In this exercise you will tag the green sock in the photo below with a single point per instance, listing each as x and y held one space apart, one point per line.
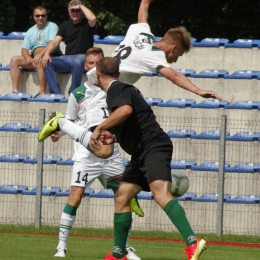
70 210
122 224
177 215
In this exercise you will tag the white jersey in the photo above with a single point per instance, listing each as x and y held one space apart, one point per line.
136 54
87 107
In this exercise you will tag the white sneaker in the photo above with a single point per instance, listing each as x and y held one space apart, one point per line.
130 254
60 252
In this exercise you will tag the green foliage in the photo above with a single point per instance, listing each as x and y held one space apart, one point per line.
230 19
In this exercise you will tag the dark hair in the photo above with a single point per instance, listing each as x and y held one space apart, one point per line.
108 67
39 8
180 35
94 51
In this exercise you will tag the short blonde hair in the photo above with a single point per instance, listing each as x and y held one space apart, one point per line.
74 2
94 51
179 35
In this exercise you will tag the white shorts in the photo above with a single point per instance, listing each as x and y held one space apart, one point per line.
109 172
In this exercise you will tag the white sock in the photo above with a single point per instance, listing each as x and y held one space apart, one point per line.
66 224
76 132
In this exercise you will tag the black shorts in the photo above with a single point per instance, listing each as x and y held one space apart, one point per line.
155 165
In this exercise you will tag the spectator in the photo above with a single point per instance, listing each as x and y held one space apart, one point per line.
77 34
35 41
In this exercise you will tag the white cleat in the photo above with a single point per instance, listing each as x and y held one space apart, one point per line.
130 254
60 252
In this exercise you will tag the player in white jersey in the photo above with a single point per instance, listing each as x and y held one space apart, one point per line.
87 108
138 54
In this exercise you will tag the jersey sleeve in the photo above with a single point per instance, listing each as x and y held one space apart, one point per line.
72 108
155 59
135 29
92 76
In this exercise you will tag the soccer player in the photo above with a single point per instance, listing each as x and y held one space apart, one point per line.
87 108
138 54
133 125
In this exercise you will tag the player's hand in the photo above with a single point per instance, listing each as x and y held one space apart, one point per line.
45 59
93 142
55 136
107 138
209 94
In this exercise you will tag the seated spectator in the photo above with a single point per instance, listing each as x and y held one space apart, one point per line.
35 41
77 34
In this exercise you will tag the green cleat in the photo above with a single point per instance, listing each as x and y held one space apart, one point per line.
50 127
136 207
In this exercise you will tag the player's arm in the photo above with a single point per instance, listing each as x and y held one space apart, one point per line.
118 116
183 82
52 45
143 11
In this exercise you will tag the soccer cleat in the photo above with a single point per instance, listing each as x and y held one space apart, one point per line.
130 251
60 252
50 127
111 257
136 207
194 251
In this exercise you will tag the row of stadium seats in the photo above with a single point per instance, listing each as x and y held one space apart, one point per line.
245 136
108 193
152 101
175 164
116 39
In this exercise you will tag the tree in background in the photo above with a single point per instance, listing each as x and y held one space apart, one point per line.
231 19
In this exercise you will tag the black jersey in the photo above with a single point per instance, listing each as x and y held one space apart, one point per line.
140 130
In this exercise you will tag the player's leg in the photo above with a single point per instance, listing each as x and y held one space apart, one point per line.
79 134
112 173
83 175
158 174
15 72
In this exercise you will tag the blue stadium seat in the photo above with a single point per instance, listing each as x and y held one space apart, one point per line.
211 104
125 161
111 39
244 167
243 74
16 97
13 158
243 43
47 159
15 127
96 37
69 161
180 133
33 130
177 102
12 189
66 193
105 193
211 42
187 196
208 166
245 136
50 98
153 101
245 199
16 35
210 197
1 33
243 104
186 72
5 68
157 38
182 164
46 191
209 135
145 195
210 74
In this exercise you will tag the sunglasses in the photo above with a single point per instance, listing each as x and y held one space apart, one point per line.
40 15
75 10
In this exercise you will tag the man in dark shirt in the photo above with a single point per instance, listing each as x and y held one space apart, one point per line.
77 34
133 125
